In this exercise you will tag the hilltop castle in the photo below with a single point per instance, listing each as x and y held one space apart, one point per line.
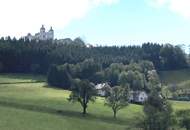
42 35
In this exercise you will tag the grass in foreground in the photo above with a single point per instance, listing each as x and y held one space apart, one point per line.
33 106
23 105
17 119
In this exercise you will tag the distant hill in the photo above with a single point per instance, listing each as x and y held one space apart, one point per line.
180 78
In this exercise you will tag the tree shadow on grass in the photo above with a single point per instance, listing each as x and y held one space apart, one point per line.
68 113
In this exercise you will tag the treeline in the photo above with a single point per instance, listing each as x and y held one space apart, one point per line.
137 75
37 57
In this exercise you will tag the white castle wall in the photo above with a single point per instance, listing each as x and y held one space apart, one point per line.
42 35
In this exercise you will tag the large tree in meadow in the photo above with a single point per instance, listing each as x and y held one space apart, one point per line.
117 98
83 92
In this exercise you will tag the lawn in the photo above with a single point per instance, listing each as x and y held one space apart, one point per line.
180 105
48 108
34 106
18 78
18 119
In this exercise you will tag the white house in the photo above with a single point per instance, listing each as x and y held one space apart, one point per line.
101 88
42 35
135 96
138 96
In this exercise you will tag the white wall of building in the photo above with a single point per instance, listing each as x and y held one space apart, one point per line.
42 35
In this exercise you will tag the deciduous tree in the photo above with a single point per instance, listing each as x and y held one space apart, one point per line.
118 98
83 92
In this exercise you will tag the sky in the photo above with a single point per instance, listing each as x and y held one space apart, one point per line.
100 22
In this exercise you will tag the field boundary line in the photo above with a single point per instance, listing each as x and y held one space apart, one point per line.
22 82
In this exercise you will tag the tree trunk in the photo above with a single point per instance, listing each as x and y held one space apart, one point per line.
84 105
114 114
84 110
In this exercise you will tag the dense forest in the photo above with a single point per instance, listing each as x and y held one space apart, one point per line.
36 57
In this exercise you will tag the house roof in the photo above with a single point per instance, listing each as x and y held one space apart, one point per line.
101 86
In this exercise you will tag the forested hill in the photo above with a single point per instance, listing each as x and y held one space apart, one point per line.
36 57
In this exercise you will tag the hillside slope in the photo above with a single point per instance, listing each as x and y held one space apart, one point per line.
177 83
174 77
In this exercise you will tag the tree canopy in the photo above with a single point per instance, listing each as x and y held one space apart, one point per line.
82 91
117 98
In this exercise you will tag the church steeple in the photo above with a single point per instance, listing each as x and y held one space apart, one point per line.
51 33
51 29
42 29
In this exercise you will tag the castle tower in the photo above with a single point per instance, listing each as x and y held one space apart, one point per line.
43 33
51 34
42 29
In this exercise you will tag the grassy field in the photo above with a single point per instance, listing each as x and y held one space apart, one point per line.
19 78
34 106
180 105
18 119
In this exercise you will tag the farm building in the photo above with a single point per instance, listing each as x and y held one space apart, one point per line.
135 96
101 88
138 96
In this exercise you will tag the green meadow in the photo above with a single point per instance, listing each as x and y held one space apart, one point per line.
27 103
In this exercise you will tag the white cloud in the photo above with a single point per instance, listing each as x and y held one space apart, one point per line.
181 7
19 17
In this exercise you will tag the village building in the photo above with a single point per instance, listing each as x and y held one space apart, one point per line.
138 96
101 89
135 96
